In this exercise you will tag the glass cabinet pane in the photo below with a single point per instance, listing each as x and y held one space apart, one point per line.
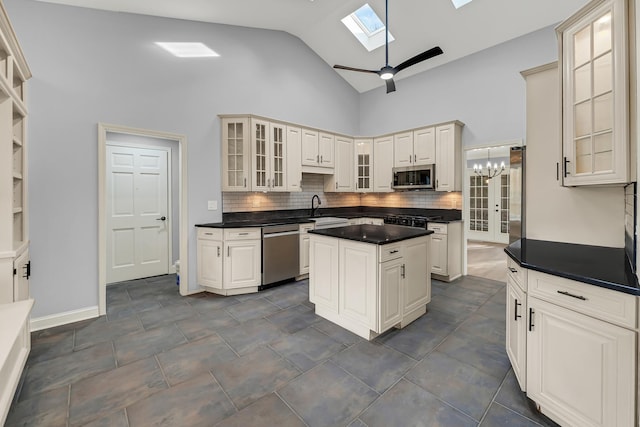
582 46
602 35
603 113
582 83
582 117
602 74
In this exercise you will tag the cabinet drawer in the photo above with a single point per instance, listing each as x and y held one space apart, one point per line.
242 233
605 304
517 273
389 252
209 233
437 228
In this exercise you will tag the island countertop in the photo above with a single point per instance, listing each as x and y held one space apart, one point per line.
374 234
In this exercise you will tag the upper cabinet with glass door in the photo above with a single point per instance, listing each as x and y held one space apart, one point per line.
235 154
593 45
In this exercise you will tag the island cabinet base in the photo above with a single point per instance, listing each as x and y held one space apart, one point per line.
368 288
230 292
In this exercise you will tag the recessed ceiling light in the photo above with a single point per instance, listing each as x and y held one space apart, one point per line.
459 3
187 50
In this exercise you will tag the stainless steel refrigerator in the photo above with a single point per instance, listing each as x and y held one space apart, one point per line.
516 193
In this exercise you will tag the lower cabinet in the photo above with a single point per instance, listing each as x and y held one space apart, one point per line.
368 288
304 247
229 260
573 347
446 250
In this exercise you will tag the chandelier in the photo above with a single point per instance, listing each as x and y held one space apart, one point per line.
492 170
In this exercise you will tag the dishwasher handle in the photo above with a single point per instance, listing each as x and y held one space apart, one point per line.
280 234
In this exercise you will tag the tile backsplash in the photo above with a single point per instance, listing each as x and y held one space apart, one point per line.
314 184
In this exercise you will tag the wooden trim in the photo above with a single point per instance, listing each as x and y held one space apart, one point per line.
64 318
550 66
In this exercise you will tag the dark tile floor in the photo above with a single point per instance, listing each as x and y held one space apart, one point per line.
266 359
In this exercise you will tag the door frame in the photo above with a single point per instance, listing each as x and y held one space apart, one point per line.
465 188
103 129
169 222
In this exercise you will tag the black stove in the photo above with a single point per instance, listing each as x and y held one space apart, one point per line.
410 220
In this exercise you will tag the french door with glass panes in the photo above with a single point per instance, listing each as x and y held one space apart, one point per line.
488 208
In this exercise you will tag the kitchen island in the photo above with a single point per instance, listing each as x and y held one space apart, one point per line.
370 278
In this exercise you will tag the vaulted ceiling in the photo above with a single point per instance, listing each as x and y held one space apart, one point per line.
416 25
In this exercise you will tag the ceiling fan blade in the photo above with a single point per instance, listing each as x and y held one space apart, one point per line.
342 67
391 86
435 51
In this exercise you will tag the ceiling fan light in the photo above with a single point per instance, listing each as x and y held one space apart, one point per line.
386 75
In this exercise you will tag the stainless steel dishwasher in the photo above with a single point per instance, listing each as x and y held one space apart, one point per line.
280 253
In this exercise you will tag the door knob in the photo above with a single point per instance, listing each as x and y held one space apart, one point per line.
162 218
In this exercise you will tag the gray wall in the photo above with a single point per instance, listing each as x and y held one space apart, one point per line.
91 66
485 91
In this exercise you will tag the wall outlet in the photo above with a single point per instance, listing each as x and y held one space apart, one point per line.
212 205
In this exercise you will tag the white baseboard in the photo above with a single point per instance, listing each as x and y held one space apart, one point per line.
59 319
172 269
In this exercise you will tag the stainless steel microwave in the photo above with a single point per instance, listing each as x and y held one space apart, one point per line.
413 178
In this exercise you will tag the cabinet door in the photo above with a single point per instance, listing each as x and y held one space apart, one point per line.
323 272
439 259
22 271
235 154
358 278
209 263
310 155
343 172
326 142
294 159
383 164
364 165
304 247
277 157
448 168
595 96
424 146
580 370
417 284
516 340
260 155
391 297
242 264
403 149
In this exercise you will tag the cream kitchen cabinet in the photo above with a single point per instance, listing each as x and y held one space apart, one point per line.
294 158
448 157
594 52
317 149
368 288
415 148
383 164
446 250
14 227
268 156
235 154
516 328
304 247
577 356
363 165
342 179
229 260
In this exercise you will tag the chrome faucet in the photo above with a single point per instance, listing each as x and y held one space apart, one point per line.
314 209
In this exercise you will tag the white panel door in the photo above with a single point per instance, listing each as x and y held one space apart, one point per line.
137 206
417 272
403 149
242 264
390 294
424 146
294 158
383 164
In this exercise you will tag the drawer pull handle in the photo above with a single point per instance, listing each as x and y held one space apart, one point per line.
395 251
580 297
243 234
218 251
402 271
209 234
513 270
516 316
531 325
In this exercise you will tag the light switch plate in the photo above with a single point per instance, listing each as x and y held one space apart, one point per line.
212 205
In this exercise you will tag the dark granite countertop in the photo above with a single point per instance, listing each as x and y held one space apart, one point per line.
299 216
595 265
375 234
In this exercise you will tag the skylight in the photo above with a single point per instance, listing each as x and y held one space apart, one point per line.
187 50
459 3
367 27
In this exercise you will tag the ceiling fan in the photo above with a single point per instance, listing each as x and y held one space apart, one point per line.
387 72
